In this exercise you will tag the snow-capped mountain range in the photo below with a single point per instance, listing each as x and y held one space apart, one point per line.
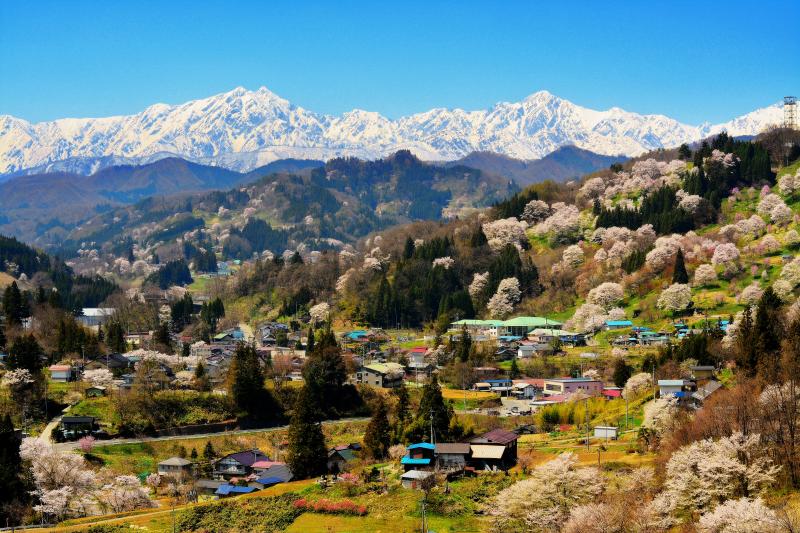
244 129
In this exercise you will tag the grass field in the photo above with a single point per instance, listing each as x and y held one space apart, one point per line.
142 458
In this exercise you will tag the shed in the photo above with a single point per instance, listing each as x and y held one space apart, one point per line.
413 478
61 373
605 432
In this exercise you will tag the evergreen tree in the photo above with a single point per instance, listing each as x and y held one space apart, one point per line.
684 152
746 349
433 407
201 381
14 306
622 372
115 337
463 347
186 349
679 274
246 380
768 332
161 337
2 337
310 343
10 468
514 371
377 437
408 248
25 353
307 455
325 374
402 412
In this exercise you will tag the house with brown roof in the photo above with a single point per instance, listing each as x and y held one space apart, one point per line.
494 450
452 456
239 464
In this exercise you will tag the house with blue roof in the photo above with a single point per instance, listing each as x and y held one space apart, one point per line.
227 490
419 456
618 324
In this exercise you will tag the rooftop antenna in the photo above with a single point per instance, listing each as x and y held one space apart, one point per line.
790 112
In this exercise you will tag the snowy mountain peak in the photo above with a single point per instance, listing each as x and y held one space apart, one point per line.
242 129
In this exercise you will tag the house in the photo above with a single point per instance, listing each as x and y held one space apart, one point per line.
564 386
413 479
385 375
95 391
703 392
208 486
609 393
551 335
71 426
500 385
61 373
113 362
238 464
264 482
522 325
672 387
482 386
339 459
227 490
605 432
94 317
523 390
496 449
176 468
478 327
272 469
618 324
200 349
419 456
702 371
451 456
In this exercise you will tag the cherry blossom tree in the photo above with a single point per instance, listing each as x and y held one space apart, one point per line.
86 444
535 211
320 312
479 283
123 494
705 275
543 501
100 377
751 294
727 255
676 297
444 262
507 295
637 384
743 515
606 294
791 272
572 255
659 415
781 214
791 238
706 473
588 318
505 231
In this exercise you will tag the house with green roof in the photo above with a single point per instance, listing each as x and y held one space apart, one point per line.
522 325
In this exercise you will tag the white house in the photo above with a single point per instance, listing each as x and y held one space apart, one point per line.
671 387
605 432
62 373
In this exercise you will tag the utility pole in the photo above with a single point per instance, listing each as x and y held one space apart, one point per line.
586 404
626 413
433 436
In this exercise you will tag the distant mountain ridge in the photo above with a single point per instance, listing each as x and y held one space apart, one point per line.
565 163
242 130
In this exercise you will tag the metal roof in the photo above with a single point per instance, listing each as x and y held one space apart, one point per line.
415 461
487 451
425 445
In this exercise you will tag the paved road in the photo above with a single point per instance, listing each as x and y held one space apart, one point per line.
66 446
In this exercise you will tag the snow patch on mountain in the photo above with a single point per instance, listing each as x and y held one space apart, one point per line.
244 129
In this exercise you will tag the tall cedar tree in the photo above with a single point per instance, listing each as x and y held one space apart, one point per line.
162 338
325 374
768 328
622 371
746 348
402 408
310 342
25 353
14 305
115 337
10 467
246 380
432 405
679 274
307 455
201 381
2 337
377 437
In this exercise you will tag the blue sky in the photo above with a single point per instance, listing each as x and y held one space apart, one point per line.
695 61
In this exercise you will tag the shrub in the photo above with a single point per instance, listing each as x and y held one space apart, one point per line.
323 505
